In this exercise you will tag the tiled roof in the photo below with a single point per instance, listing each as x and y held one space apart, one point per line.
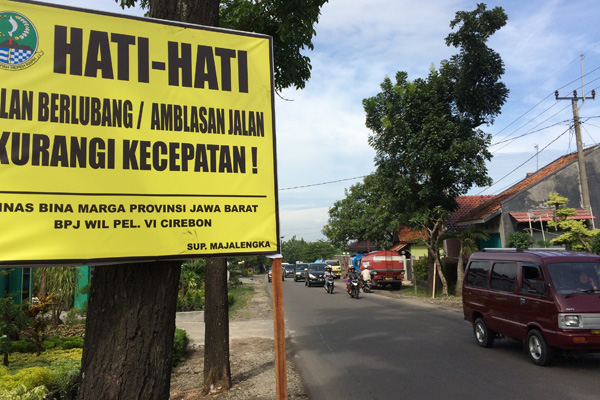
493 205
465 205
408 235
536 216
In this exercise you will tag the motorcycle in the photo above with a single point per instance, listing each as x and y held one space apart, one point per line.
367 286
329 284
353 288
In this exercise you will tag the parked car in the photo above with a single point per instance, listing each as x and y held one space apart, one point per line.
548 299
314 274
289 269
270 275
300 272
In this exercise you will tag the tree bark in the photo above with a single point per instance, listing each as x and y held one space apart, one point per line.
130 326
217 371
460 272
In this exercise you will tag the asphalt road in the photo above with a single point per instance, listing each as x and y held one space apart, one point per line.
382 348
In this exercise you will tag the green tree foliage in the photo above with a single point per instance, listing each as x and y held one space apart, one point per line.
291 250
290 23
191 285
519 240
318 250
575 236
425 132
366 213
595 242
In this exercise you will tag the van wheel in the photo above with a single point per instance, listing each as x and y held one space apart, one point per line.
484 336
539 352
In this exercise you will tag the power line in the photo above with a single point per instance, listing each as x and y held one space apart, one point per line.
540 102
531 132
526 161
324 183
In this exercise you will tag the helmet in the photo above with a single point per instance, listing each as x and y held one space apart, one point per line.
351 269
328 268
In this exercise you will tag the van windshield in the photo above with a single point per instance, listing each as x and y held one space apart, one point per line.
574 277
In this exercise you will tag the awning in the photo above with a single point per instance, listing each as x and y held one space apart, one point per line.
398 246
536 216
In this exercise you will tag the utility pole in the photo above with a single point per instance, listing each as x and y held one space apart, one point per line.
585 192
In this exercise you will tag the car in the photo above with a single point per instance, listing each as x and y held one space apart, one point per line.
300 272
289 269
270 275
546 298
314 274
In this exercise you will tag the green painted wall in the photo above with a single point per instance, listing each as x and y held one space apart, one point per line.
83 278
18 284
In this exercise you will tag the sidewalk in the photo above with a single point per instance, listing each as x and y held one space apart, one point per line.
194 326
193 322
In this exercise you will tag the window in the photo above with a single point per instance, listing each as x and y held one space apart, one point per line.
533 280
477 274
504 275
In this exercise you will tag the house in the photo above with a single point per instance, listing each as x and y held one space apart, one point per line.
465 205
523 208
411 241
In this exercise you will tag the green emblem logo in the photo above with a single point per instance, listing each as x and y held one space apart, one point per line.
18 41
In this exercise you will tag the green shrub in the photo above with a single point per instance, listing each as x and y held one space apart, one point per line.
193 300
23 346
595 244
25 360
22 393
180 345
420 269
28 377
520 240
64 374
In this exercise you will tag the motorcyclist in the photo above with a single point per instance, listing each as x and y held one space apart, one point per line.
365 276
351 275
327 274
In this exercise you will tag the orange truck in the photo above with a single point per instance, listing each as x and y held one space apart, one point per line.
386 267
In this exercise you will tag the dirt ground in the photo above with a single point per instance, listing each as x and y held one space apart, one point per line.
252 361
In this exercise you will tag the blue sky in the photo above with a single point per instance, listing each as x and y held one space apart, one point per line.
321 133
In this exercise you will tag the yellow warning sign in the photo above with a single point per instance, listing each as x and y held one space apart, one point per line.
127 138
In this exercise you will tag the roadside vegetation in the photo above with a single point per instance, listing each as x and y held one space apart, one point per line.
41 342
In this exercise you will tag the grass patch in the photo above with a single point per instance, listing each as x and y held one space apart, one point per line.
239 296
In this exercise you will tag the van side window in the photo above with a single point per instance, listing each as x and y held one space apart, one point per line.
504 275
533 280
477 274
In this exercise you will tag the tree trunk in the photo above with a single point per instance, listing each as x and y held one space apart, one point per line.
460 272
442 276
217 371
130 326
430 274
